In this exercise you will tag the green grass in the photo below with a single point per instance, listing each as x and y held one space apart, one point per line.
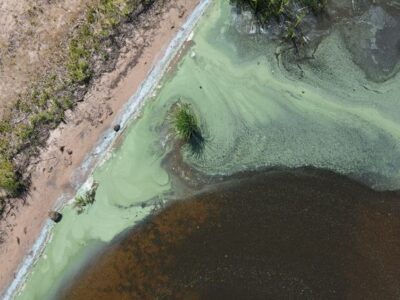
78 61
5 126
86 43
8 177
185 122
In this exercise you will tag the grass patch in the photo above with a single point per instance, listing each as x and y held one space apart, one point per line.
9 179
87 199
185 123
185 127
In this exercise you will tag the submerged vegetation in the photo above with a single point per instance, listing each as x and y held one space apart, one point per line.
36 112
265 10
288 13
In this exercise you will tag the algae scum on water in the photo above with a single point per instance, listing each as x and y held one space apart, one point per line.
259 105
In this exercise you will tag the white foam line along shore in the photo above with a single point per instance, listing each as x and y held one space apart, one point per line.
98 154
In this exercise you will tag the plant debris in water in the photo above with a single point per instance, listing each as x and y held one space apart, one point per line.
88 198
289 14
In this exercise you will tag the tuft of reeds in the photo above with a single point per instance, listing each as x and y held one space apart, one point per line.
185 122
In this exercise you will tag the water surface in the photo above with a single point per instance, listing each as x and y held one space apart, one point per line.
260 110
303 234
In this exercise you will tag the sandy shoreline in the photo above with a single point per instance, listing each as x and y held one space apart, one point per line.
57 174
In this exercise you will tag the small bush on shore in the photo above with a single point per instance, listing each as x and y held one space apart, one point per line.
78 60
5 126
8 177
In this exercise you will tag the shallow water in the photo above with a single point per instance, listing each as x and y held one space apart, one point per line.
256 112
303 234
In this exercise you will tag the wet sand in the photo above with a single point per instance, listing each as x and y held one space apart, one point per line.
282 235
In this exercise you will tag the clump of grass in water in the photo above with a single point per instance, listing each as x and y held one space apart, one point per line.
185 123
88 198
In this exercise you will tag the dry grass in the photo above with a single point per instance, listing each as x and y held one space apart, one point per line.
32 40
68 60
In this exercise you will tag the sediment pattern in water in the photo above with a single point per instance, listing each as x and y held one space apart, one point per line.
305 234
259 109
338 110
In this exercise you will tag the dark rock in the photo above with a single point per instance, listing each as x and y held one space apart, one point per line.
55 216
117 127
62 148
69 152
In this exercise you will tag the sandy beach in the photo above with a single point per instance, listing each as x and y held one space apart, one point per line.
58 169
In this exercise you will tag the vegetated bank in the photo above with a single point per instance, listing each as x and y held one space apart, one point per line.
92 49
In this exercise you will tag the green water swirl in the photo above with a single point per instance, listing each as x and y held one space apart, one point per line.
254 113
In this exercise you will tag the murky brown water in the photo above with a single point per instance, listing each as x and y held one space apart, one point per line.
281 235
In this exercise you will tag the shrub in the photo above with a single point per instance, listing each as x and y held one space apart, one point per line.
79 70
5 126
78 58
25 132
8 177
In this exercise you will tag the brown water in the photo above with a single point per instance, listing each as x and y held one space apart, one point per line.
294 234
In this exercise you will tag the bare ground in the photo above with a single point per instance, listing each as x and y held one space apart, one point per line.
32 36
